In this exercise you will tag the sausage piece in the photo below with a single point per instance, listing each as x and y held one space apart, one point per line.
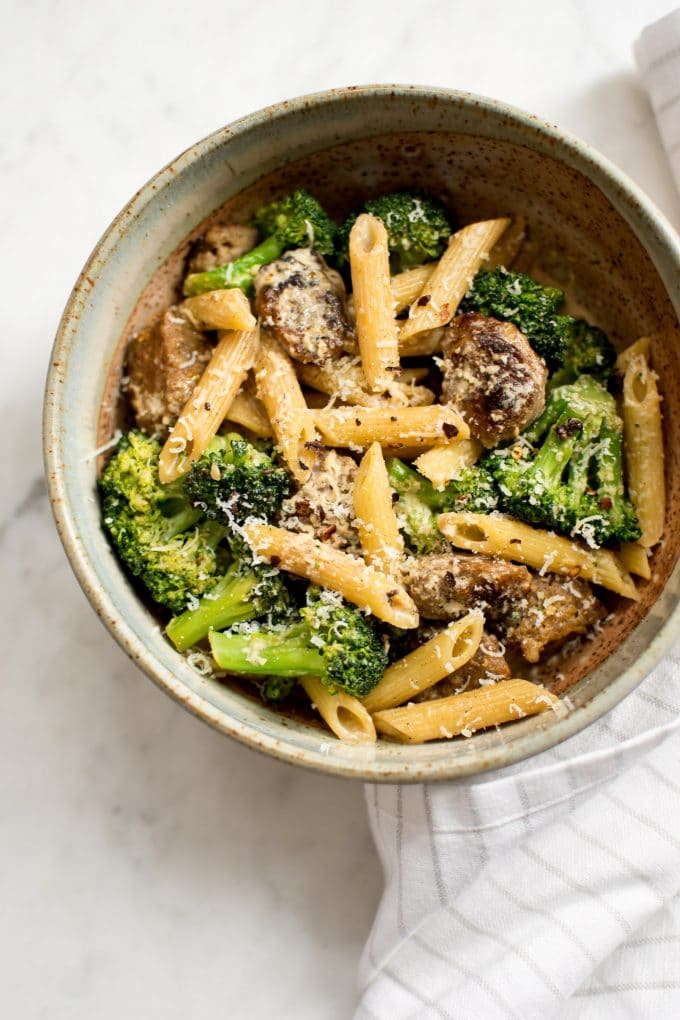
445 585
492 376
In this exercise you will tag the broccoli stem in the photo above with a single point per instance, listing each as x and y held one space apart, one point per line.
286 654
238 273
406 481
228 602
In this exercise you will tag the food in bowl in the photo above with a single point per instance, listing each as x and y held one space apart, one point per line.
381 463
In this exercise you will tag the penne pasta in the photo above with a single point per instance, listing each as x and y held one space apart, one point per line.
635 559
345 380
506 250
466 713
640 346
219 309
390 426
495 535
369 261
379 534
427 665
437 303
641 408
246 410
422 344
206 408
407 286
444 463
321 564
344 714
285 404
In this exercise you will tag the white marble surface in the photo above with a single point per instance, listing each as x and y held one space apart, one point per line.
150 867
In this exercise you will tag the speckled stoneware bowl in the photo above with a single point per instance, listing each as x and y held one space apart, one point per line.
616 253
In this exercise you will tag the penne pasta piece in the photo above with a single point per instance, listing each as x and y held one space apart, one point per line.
369 261
442 464
390 426
344 714
345 380
506 250
379 534
422 344
246 410
321 564
495 535
635 559
468 712
284 402
206 408
407 286
427 665
643 440
445 289
640 346
219 309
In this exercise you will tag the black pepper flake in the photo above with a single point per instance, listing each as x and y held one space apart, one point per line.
305 467
207 405
393 417
423 300
515 541
357 421
449 430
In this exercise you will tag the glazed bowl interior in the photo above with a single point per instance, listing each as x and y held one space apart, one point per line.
589 229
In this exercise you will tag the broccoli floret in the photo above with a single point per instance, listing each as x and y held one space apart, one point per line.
277 688
245 592
331 640
162 539
292 222
587 352
516 298
565 472
418 228
233 481
419 502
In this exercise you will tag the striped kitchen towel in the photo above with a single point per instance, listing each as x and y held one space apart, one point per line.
548 889
657 53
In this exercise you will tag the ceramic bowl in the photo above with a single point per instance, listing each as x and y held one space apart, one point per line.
605 240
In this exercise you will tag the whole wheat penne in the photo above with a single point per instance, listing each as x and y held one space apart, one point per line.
466 713
442 464
445 289
284 402
345 380
390 426
381 541
369 261
635 559
427 665
205 409
365 587
495 535
246 410
344 714
643 440
219 309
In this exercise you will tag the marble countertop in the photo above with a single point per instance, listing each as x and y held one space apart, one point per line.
151 867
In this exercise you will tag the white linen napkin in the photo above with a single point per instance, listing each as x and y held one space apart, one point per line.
657 53
550 889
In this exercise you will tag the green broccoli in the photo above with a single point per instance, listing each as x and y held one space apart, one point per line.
294 221
233 481
160 537
516 298
565 472
419 502
331 640
246 591
418 228
587 352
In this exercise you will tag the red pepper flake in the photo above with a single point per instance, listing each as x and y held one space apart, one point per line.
423 300
449 430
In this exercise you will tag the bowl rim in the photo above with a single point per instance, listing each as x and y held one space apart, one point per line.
581 155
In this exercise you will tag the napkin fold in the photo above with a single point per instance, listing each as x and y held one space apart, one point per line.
657 53
550 889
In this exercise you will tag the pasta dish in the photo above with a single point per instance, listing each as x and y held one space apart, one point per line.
379 467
